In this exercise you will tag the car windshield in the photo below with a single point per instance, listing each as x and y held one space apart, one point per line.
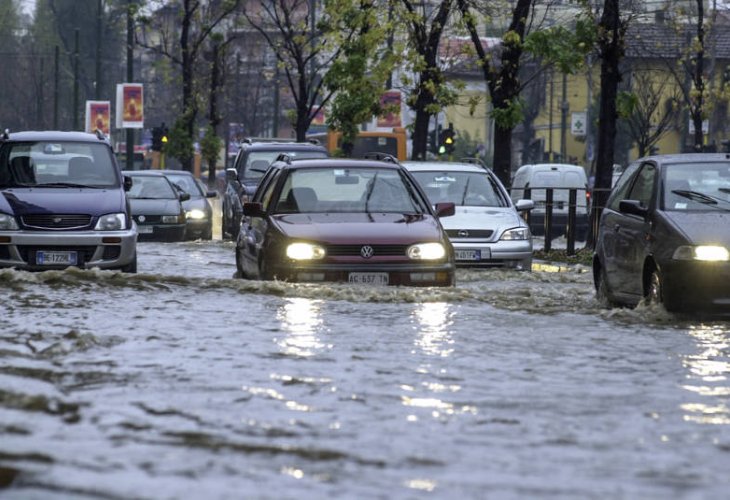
257 162
460 188
348 190
187 184
57 164
697 186
151 187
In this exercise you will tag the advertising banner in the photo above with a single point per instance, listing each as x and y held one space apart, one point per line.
98 116
391 99
130 105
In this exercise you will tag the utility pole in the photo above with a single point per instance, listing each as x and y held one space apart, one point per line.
130 78
97 83
76 81
564 121
55 88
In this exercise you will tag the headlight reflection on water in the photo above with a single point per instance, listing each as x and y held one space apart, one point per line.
432 321
301 318
709 369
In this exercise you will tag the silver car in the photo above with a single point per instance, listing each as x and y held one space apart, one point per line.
487 229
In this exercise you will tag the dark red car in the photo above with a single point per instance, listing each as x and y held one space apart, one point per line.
355 221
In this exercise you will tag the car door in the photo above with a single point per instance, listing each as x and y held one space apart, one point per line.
632 234
254 229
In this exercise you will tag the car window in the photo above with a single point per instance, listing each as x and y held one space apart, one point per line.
643 188
461 188
696 186
151 187
620 191
49 163
352 190
268 191
187 184
257 162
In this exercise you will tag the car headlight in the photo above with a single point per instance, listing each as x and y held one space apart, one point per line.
195 214
711 253
7 223
173 219
111 222
518 233
426 251
304 251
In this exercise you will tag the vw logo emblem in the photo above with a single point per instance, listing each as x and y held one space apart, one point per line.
463 233
367 251
57 220
141 218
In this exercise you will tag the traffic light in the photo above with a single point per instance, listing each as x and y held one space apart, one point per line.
157 139
446 145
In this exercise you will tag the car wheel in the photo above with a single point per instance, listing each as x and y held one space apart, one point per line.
655 293
239 265
132 266
208 235
603 294
224 226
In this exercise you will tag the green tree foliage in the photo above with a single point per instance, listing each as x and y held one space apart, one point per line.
179 141
358 78
210 146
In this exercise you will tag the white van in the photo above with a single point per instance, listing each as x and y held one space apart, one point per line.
561 178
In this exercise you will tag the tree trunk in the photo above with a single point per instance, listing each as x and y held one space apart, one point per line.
213 117
611 46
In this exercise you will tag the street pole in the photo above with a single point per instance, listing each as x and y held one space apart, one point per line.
55 88
130 77
97 83
76 81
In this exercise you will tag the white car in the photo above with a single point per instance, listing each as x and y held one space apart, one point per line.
487 229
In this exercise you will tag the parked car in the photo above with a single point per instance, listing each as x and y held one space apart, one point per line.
198 210
251 163
487 229
358 221
156 206
561 178
665 234
62 203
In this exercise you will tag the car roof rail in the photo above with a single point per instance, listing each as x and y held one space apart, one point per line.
475 161
6 135
100 135
251 140
284 157
379 156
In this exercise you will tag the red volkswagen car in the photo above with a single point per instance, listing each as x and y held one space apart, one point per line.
356 221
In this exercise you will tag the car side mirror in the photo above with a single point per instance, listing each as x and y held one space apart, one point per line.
524 205
445 209
231 174
253 209
128 183
211 194
184 196
632 207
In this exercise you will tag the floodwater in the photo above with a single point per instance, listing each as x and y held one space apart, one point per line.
183 382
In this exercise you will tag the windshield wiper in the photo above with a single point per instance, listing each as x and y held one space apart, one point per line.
466 188
370 191
703 198
66 185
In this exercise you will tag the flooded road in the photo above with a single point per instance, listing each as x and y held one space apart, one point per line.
182 382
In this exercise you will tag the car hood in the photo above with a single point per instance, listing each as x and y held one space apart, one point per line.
95 202
483 218
374 228
154 207
702 228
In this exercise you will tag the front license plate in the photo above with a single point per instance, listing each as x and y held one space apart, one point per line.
368 278
43 258
468 254
144 229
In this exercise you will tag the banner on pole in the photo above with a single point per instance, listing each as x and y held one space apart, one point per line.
130 105
98 116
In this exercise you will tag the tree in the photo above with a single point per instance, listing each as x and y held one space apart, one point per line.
611 46
359 78
554 46
425 24
179 33
297 36
649 113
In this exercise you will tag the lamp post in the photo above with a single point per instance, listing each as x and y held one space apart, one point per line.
272 75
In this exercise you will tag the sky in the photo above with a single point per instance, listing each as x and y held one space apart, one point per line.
27 5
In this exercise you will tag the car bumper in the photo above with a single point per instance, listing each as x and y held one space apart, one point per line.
696 286
395 274
104 250
515 254
160 232
197 228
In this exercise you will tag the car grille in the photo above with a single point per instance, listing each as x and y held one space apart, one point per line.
470 233
148 219
56 221
378 250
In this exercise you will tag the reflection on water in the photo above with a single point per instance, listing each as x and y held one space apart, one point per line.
301 319
432 321
708 373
